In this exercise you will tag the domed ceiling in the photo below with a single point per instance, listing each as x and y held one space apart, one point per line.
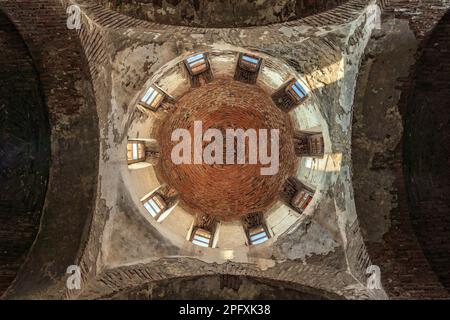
134 220
228 191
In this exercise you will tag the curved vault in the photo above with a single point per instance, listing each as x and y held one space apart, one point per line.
25 151
318 248
230 287
326 233
219 13
426 151
321 47
324 236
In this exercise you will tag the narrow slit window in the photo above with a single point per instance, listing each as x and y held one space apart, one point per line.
258 235
155 205
197 64
202 238
297 91
152 98
135 151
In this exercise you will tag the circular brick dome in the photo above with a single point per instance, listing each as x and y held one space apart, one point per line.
228 191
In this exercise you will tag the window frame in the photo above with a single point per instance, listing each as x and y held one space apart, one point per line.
141 145
155 103
249 65
160 203
192 63
316 144
305 200
202 234
292 90
257 232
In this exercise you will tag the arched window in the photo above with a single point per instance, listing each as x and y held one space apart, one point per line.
197 64
296 195
296 91
255 228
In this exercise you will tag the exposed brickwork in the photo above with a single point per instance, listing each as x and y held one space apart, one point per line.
313 275
322 58
110 19
229 287
61 66
325 279
228 191
219 14
402 259
427 150
24 150
423 16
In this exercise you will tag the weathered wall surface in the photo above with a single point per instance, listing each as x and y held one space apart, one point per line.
384 84
326 263
426 151
220 14
122 54
24 151
227 287
65 82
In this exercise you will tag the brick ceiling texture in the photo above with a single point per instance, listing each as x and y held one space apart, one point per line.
226 191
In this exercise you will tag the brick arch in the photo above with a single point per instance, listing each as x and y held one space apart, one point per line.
223 286
327 280
25 151
426 150
67 91
105 17
219 14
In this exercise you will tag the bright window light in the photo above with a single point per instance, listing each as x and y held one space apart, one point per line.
152 98
196 63
250 59
309 163
155 205
135 151
258 235
261 240
195 58
298 89
201 238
